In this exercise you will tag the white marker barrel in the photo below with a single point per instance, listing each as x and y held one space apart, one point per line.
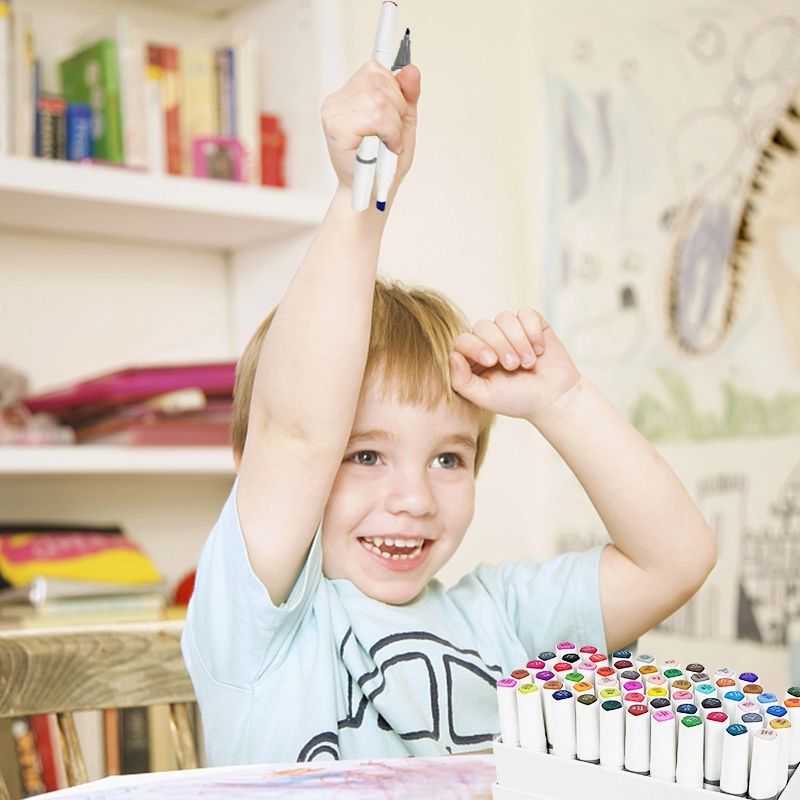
565 741
792 705
507 704
612 735
730 704
637 739
733 773
548 690
783 728
689 767
754 722
531 718
764 765
715 724
587 728
663 745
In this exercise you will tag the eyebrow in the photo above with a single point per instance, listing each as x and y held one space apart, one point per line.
455 439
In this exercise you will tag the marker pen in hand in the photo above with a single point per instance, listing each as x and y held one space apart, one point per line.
507 705
531 718
733 772
367 154
387 160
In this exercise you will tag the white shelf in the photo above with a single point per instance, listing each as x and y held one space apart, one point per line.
110 460
98 201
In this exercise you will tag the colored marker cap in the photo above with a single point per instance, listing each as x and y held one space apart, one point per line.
611 705
752 688
682 684
629 675
691 720
562 694
736 729
588 650
794 691
582 686
545 675
608 694
632 686
723 683
648 669
687 708
562 666
767 698
695 667
637 709
535 666
735 695
662 715
711 702
777 711
623 663
598 657
672 673
780 724
748 677
527 688
634 697
659 702
546 655
506 683
553 685
587 699
752 717
520 674
645 658
606 672
699 677
571 658
656 691
575 677
565 646
705 688
621 654
792 702
717 716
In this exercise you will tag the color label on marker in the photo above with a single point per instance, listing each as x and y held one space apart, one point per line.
656 680
699 677
705 688
588 650
582 686
672 673
565 646
792 702
609 694
586 666
506 683
606 672
562 666
527 688
645 658
611 705
621 654
656 691
562 694
780 724
634 697
545 675
553 685
659 702
629 675
695 667
691 721
752 688
767 698
687 708
736 729
648 669
637 709
680 696
598 657
663 715
546 655
711 702
717 716
632 686
724 683
574 677
587 699
735 695
748 677
751 717
535 665
571 658
520 674
777 711
623 663
682 684
794 691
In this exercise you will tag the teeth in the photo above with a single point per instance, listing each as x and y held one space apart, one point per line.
389 541
412 545
378 541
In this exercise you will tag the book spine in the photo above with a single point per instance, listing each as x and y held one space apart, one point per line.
273 150
24 89
131 57
30 769
225 92
51 127
78 121
134 740
154 114
48 746
199 105
5 78
173 98
115 145
247 101
111 740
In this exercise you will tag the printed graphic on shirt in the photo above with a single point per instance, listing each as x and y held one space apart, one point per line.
448 693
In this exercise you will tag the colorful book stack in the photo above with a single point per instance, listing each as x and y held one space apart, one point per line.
681 728
121 100
187 404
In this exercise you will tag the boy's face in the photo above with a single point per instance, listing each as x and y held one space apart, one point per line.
403 497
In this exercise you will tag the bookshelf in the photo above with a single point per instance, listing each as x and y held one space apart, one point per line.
104 267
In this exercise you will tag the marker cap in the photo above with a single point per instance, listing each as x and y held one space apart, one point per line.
621 654
622 663
699 677
694 667
562 666
683 684
521 675
610 694
535 666
383 49
670 663
633 686
605 672
656 680
657 691
648 669
582 687
566 647
547 655
793 691
658 703
587 650
571 658
599 658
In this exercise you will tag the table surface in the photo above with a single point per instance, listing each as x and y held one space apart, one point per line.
463 777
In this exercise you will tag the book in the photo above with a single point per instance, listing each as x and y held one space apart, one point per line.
80 144
92 76
159 432
24 88
111 740
168 60
273 151
199 117
226 92
134 740
51 127
155 122
132 71
247 97
30 769
48 746
6 97
137 383
120 604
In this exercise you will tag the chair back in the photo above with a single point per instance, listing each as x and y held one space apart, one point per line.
63 670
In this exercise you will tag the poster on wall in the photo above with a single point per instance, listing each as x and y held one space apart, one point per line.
670 255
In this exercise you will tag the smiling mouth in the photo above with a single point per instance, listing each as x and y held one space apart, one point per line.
393 549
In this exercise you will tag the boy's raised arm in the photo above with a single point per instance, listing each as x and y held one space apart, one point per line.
662 547
312 361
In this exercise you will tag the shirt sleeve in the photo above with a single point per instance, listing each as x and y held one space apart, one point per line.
233 630
551 602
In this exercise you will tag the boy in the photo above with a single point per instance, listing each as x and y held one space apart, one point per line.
316 629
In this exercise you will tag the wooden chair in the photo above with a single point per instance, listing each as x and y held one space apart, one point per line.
62 670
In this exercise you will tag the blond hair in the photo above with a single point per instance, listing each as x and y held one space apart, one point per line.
412 334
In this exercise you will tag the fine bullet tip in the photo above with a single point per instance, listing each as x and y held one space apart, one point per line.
381 206
408 31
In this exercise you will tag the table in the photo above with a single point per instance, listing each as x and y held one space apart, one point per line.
462 777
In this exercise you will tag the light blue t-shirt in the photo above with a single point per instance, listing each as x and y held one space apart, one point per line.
334 674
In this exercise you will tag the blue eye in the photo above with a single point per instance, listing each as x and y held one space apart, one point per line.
447 461
366 458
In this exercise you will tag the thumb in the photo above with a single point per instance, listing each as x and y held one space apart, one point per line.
409 79
464 381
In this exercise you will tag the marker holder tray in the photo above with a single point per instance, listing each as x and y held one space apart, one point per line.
523 775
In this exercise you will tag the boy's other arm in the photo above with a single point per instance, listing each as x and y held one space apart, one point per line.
312 361
662 547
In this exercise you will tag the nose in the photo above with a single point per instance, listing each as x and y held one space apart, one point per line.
411 493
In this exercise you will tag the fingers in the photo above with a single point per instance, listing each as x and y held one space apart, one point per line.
372 103
510 341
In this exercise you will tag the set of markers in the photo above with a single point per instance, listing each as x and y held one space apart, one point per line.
676 723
